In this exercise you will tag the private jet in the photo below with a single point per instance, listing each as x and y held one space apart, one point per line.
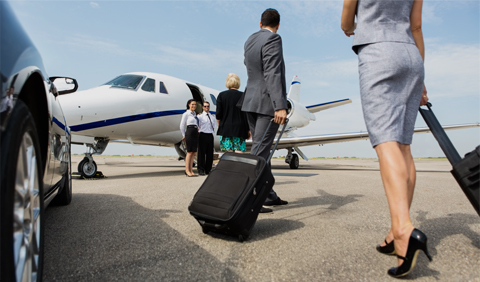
144 108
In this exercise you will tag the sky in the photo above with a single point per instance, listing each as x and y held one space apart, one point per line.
202 41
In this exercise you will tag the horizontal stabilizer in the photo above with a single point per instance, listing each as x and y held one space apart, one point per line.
328 105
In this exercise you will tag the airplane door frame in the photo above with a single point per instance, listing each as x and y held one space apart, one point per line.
198 96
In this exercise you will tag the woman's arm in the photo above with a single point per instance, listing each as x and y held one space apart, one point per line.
416 28
348 17
182 124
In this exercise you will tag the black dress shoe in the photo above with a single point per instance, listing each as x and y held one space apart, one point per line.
201 173
276 202
265 210
388 249
417 242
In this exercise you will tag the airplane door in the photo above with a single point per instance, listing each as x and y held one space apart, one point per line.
198 96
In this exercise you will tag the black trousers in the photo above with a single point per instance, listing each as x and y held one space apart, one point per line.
258 124
205 152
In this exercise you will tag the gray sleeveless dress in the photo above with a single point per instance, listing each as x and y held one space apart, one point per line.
390 68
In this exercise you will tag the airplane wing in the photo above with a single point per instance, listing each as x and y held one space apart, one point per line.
300 141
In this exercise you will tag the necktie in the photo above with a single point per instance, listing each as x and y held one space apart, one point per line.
210 122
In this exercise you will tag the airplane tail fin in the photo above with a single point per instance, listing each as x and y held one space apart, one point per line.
294 92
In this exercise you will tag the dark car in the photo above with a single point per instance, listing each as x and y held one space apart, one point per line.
35 165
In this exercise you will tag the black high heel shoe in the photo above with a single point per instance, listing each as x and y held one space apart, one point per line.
417 242
388 249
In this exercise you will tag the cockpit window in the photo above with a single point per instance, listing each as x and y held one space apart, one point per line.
128 81
149 85
162 88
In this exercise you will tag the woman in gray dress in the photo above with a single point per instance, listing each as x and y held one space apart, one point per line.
389 43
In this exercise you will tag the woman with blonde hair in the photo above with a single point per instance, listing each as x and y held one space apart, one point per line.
389 44
232 123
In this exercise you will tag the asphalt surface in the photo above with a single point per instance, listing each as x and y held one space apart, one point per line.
134 226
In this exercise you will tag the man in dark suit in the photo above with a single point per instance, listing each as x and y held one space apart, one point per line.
265 94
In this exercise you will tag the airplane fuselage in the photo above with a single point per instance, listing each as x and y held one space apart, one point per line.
138 116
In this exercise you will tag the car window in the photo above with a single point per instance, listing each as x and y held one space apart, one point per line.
128 81
163 89
149 85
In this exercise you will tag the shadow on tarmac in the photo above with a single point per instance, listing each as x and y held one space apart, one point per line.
112 238
332 202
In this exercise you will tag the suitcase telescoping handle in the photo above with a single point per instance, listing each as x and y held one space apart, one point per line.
278 139
439 134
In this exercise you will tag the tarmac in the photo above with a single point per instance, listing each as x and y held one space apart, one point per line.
134 226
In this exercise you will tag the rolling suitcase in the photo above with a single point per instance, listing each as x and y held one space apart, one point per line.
232 195
467 170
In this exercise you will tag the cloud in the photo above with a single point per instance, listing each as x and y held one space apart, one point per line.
86 43
212 59
452 69
94 5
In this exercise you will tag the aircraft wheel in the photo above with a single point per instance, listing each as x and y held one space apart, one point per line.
22 207
294 162
79 167
86 169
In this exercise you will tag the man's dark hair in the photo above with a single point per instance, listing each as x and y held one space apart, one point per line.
270 18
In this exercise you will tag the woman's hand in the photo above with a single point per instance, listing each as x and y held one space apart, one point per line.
424 99
249 134
351 32
183 139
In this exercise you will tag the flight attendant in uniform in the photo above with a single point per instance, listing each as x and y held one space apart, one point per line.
189 128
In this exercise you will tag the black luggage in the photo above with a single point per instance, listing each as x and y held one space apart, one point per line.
232 195
467 170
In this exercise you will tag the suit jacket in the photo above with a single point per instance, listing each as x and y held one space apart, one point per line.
266 86
383 21
233 122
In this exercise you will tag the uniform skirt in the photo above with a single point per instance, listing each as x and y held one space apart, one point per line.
391 85
191 139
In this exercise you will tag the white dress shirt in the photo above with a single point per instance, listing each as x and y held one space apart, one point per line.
208 123
188 118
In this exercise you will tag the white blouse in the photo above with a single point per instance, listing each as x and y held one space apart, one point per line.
188 118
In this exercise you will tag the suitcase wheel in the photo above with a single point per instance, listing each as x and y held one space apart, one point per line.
244 236
204 230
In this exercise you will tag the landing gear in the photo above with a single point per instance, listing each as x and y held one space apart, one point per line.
292 159
294 163
87 167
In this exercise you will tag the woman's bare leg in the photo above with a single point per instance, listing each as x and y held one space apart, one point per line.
189 163
412 176
394 171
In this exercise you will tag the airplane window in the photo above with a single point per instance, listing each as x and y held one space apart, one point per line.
149 85
214 100
128 81
162 88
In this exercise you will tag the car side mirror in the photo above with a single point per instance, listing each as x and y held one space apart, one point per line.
64 85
